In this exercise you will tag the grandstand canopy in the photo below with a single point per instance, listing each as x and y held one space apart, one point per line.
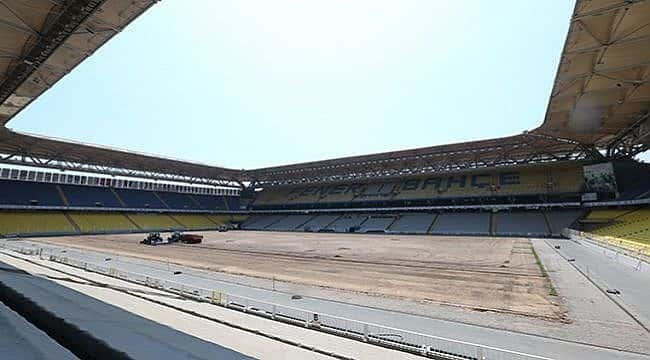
600 98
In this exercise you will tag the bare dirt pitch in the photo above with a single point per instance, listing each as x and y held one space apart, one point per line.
482 273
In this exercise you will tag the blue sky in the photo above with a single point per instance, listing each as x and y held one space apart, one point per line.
247 84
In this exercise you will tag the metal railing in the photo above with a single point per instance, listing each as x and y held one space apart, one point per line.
422 344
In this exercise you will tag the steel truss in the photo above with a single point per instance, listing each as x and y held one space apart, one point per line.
631 141
30 161
517 150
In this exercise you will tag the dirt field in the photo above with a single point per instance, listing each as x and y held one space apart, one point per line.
482 273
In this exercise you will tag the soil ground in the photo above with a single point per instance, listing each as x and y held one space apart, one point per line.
482 273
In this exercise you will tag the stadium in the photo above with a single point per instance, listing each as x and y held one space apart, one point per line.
531 246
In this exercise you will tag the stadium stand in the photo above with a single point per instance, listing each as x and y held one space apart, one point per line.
29 193
233 203
319 223
261 222
346 223
554 181
632 225
521 223
412 223
140 199
210 202
151 222
90 196
178 201
559 220
88 222
290 222
468 223
194 222
377 224
35 223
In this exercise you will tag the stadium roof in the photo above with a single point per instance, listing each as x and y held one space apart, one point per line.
600 98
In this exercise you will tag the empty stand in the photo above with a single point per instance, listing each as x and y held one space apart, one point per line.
194 222
35 223
29 193
290 222
633 225
377 223
90 196
526 223
155 222
561 219
472 223
261 222
140 199
178 201
415 223
347 223
210 202
319 223
233 203
102 222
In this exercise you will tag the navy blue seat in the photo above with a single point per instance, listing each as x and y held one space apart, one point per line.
178 201
29 193
90 196
211 202
233 202
140 199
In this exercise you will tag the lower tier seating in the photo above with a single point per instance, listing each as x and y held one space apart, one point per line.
195 222
472 223
102 222
633 225
159 222
26 223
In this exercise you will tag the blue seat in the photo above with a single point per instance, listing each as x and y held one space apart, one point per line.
29 193
90 196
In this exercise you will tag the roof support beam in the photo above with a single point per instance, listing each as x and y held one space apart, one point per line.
50 39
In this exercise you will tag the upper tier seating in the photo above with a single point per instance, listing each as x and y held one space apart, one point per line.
473 223
29 193
210 202
412 223
533 181
140 199
525 223
233 203
178 201
90 196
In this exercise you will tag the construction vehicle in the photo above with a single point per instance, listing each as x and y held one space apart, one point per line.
178 236
153 238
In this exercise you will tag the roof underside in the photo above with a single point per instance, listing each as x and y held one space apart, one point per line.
600 98
602 86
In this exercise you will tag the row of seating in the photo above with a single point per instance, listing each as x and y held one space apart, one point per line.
558 179
58 222
527 223
630 225
45 194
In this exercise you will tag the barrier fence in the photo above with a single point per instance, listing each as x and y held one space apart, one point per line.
422 344
630 248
